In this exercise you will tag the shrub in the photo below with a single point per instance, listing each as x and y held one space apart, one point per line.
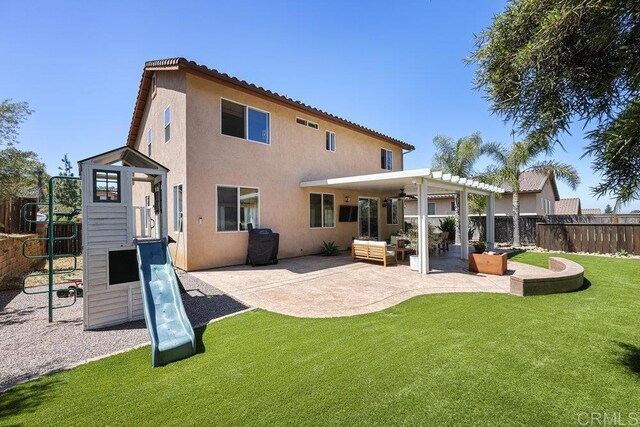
328 249
448 225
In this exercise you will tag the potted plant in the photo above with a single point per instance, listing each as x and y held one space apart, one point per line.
480 247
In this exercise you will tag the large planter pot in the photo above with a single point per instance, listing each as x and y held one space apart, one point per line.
488 264
414 262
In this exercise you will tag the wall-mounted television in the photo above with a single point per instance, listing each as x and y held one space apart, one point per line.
348 213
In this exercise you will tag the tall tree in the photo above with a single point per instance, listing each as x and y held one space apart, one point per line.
608 209
511 162
544 64
457 158
67 192
12 114
18 172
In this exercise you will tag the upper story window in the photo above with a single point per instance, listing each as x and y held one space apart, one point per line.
149 139
431 208
244 122
106 186
453 206
330 141
305 122
167 124
386 159
154 85
322 210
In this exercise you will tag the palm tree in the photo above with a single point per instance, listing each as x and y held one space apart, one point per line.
511 162
457 158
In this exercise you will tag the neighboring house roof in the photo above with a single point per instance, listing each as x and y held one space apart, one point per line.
591 211
567 206
533 182
175 64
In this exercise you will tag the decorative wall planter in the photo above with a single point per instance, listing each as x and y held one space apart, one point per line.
488 263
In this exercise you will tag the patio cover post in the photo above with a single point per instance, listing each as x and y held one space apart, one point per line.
423 226
464 224
491 222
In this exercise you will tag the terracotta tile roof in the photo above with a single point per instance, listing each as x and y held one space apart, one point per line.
184 64
591 211
533 182
567 206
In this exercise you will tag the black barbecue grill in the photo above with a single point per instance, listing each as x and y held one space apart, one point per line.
263 246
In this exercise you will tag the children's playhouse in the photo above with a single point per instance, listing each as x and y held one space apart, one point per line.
127 272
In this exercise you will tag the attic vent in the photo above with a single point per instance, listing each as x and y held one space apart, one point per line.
304 122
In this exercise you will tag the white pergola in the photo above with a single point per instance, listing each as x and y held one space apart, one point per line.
422 183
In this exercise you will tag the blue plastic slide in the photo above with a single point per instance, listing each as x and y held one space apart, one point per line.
172 336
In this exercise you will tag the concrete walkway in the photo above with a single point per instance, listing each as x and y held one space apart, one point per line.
316 286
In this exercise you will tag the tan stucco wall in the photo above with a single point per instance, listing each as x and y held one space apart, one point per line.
296 153
171 90
443 207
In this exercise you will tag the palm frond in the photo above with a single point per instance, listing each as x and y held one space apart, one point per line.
562 171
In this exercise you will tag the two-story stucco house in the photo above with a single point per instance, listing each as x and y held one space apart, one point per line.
237 154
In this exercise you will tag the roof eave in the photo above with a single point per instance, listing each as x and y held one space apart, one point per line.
175 64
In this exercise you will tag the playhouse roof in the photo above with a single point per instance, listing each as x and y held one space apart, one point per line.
127 155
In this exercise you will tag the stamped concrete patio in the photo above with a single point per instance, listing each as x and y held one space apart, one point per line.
316 286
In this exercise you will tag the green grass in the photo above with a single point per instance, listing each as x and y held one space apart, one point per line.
439 359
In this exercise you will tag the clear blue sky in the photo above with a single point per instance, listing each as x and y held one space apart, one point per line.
397 68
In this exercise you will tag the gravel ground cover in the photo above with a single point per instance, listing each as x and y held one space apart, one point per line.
31 347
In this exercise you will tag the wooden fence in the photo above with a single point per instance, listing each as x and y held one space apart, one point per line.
71 246
593 238
11 219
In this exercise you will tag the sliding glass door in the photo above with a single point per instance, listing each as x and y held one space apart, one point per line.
368 218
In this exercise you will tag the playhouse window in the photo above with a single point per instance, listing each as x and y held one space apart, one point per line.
106 186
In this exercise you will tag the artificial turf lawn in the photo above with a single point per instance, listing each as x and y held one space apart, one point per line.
437 359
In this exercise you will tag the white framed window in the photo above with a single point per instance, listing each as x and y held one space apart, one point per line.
106 186
386 159
392 211
154 85
453 206
305 122
330 141
431 208
237 207
149 140
322 212
167 124
177 208
242 121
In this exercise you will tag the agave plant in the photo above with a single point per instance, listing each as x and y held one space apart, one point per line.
328 249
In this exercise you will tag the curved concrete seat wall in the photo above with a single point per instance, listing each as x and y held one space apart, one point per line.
563 276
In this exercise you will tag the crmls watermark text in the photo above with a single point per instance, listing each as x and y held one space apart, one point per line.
608 419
